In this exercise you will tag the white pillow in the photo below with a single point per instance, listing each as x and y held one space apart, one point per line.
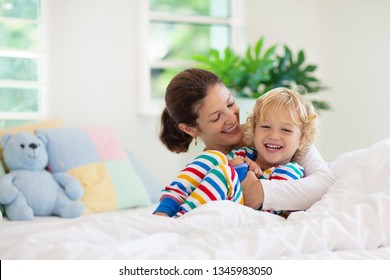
344 161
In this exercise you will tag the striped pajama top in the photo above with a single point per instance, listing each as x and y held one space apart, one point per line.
192 175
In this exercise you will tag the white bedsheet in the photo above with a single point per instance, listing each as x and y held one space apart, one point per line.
350 222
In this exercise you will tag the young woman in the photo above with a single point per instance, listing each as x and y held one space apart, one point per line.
198 105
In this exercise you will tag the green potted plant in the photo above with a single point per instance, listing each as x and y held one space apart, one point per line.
261 69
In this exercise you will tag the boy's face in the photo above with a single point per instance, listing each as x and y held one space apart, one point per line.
276 140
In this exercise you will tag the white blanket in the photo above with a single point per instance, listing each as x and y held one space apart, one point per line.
349 222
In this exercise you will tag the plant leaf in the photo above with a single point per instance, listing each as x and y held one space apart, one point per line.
301 58
258 47
261 69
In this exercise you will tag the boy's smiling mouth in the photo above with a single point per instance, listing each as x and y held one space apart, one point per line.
272 147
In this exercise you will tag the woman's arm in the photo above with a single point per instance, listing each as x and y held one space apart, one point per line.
187 180
293 194
252 191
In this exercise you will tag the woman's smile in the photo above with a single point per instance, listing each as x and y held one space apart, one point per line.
232 130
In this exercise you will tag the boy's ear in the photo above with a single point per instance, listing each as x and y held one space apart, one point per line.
192 131
301 143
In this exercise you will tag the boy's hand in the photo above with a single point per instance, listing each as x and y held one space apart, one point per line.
254 167
236 161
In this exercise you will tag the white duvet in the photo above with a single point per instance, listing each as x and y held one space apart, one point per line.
350 222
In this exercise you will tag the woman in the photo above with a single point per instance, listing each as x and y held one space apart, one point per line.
198 105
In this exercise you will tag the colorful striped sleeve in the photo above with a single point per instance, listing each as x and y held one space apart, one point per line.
168 205
188 180
289 171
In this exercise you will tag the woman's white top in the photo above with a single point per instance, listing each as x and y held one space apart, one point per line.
299 194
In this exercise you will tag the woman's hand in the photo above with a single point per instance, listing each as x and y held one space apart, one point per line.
161 214
252 190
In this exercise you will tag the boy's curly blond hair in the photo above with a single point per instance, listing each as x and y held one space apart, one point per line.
301 110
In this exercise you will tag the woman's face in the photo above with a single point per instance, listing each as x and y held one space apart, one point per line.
219 120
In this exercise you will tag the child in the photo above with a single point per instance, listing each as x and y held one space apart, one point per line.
281 127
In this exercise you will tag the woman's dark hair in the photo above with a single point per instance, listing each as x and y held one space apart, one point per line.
183 98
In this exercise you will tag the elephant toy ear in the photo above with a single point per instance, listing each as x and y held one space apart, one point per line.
42 137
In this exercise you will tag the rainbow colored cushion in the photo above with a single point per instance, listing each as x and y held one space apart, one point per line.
96 157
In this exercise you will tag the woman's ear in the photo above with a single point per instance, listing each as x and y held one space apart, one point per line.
192 131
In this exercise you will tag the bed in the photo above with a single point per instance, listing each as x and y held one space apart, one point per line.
350 222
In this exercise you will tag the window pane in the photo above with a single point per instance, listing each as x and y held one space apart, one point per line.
19 35
215 8
26 9
21 69
19 100
177 41
160 80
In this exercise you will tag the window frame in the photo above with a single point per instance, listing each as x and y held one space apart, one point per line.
149 106
40 54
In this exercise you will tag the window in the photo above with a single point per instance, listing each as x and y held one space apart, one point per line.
21 60
175 31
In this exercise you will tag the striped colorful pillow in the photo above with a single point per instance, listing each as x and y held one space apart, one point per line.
96 157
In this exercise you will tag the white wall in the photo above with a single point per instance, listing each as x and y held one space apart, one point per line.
355 59
93 52
93 48
350 42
